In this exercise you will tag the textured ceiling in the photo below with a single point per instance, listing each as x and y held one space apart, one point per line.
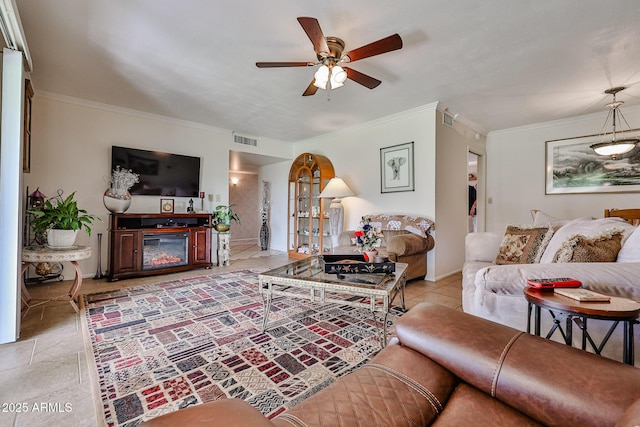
498 63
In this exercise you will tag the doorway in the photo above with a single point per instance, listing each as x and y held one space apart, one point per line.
245 194
472 192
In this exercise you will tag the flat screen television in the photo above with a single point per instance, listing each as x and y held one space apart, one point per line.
161 174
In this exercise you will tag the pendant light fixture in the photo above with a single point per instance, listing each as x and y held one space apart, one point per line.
615 142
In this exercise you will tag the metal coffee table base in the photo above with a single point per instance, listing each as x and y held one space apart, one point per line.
376 299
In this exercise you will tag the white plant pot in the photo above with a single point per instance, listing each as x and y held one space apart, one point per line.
61 238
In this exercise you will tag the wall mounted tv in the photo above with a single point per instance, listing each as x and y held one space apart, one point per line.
161 174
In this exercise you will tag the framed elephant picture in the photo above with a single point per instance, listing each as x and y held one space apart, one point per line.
396 168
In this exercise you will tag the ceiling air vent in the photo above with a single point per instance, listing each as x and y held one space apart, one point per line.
448 118
245 140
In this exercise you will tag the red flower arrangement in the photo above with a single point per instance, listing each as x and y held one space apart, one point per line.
367 237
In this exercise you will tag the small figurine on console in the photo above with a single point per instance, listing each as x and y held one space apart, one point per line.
190 207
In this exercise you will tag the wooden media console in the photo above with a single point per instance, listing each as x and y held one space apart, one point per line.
148 244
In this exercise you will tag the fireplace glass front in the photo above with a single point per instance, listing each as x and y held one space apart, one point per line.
164 250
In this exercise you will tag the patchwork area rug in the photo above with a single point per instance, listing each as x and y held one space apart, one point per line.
162 347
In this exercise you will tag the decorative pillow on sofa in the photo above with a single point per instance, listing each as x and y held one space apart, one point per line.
413 224
586 227
541 218
630 251
602 248
523 245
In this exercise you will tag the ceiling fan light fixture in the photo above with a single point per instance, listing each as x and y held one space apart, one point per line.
320 84
338 74
335 84
321 77
610 144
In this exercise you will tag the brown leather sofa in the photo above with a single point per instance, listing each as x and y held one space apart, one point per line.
448 368
406 238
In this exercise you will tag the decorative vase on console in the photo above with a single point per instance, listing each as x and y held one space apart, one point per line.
117 198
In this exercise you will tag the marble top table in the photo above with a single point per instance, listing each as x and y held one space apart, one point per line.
36 254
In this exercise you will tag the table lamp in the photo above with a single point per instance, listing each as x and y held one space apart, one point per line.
336 189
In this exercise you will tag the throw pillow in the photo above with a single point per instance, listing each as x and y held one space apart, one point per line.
585 227
541 218
602 248
523 245
630 251
413 224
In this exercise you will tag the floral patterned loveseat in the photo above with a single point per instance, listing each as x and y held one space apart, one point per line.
406 238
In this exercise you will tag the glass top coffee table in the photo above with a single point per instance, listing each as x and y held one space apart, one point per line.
377 291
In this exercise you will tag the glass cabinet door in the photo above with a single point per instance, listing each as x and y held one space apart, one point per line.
308 223
304 202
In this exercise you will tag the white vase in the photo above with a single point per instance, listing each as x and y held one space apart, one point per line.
116 201
370 255
61 238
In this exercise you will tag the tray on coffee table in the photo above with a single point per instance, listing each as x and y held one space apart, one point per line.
354 264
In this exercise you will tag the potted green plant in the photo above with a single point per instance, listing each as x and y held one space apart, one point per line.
222 217
61 220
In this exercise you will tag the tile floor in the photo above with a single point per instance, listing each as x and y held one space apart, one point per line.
44 376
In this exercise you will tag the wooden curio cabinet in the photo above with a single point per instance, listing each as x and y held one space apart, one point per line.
308 230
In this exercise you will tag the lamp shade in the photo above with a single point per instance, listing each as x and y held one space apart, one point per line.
338 74
614 148
321 77
336 188
613 144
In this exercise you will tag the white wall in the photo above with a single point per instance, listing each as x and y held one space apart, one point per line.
516 173
10 193
452 147
355 154
71 150
278 175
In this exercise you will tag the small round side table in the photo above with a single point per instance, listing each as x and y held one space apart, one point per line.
572 311
36 254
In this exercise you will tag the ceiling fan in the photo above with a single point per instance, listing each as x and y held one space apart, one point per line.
329 51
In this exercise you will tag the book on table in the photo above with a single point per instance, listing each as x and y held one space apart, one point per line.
556 282
583 295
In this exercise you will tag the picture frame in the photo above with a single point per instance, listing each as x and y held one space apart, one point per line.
166 206
396 168
572 167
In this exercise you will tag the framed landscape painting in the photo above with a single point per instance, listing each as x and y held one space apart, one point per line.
396 168
573 167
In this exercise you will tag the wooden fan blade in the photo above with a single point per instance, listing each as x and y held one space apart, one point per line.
284 64
363 79
311 89
387 44
312 28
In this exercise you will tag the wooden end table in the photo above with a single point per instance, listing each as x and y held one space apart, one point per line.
572 311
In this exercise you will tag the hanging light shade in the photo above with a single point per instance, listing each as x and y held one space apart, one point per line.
615 142
321 77
338 74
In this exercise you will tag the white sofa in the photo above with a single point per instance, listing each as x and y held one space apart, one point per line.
495 292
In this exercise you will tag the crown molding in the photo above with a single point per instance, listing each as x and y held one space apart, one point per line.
601 115
377 122
130 112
